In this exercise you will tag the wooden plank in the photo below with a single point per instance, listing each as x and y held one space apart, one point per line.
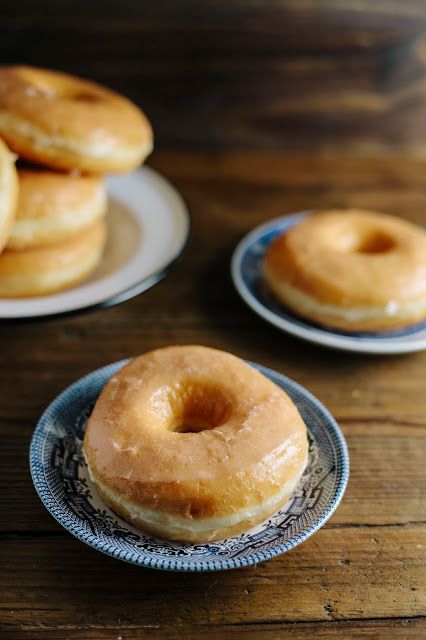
310 171
380 402
405 629
352 387
361 576
238 190
259 74
349 573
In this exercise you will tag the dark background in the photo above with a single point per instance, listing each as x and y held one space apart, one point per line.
297 74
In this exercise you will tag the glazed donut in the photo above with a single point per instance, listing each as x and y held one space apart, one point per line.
352 270
65 122
193 444
9 189
43 270
53 207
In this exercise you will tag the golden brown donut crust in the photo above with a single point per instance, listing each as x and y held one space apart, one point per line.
9 189
351 269
53 207
253 444
44 270
69 123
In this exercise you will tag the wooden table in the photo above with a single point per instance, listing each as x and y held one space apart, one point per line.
362 575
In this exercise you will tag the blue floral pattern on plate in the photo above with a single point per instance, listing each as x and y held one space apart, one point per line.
61 479
247 275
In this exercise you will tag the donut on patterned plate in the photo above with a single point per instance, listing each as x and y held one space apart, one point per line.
352 270
193 444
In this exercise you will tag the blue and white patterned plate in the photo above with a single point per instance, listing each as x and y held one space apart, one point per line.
61 479
246 270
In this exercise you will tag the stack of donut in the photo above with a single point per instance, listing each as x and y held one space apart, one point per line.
52 227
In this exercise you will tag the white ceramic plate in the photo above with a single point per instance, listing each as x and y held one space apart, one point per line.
148 225
247 276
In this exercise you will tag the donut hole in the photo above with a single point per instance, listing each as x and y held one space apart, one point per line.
200 407
48 85
377 242
193 407
86 97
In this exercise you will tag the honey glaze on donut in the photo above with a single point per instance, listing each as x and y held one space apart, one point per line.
69 123
193 444
43 270
353 270
53 207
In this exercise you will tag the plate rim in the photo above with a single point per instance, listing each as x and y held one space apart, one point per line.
41 485
133 290
328 338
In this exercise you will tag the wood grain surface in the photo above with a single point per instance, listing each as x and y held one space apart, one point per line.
347 75
364 574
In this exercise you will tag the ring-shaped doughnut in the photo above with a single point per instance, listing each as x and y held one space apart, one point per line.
352 270
193 444
44 270
53 207
68 123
